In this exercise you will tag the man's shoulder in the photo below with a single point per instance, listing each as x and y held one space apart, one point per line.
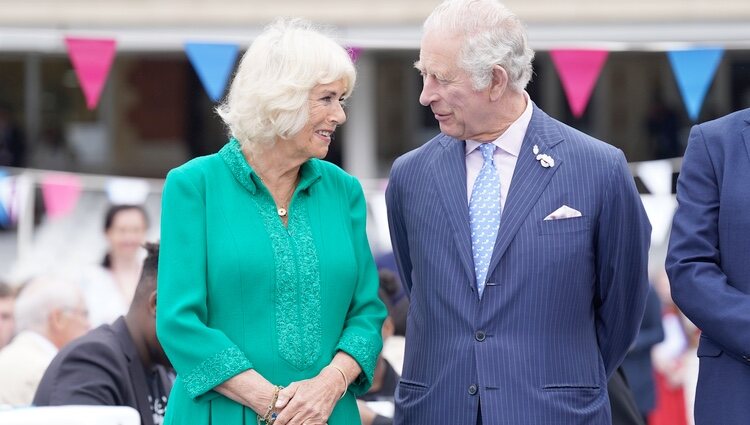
425 153
719 126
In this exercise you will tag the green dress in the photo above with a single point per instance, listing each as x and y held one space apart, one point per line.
238 290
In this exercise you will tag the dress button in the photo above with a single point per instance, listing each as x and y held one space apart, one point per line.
472 389
480 336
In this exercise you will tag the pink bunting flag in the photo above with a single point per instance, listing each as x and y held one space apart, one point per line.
60 192
578 70
92 59
354 53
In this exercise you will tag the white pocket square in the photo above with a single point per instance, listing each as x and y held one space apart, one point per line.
563 212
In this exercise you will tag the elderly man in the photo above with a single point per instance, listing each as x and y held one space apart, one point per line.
7 318
49 314
522 242
121 364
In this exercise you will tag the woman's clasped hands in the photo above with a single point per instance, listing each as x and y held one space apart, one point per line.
310 401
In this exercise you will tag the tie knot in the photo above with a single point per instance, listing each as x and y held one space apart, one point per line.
488 149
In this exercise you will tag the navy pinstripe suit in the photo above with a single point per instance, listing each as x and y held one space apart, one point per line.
564 298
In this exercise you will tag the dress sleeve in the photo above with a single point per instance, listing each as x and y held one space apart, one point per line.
361 337
202 356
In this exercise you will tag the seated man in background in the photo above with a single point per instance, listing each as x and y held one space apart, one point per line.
121 364
49 314
376 406
7 318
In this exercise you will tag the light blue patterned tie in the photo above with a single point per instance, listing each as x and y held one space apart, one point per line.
484 214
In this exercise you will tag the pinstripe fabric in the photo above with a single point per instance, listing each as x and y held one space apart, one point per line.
563 299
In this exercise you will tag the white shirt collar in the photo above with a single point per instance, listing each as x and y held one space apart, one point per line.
512 139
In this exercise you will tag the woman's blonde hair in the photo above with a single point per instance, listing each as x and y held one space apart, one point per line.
269 95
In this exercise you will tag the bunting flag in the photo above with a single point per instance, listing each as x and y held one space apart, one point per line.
60 192
127 191
579 70
694 70
214 63
354 53
92 59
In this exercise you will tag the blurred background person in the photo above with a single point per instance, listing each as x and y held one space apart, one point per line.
669 361
49 314
376 406
7 318
121 364
12 143
397 303
621 400
266 278
637 366
109 287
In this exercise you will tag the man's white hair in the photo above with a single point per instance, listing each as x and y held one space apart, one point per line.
269 95
40 297
493 35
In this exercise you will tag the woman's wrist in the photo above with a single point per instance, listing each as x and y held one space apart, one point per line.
341 376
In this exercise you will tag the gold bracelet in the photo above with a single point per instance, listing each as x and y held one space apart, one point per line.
343 375
270 417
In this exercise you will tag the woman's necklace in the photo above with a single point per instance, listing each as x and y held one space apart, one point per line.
281 207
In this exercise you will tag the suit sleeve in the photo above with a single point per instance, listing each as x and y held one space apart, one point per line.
202 356
699 286
361 337
397 228
87 376
623 239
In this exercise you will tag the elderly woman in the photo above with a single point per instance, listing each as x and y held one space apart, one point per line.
268 304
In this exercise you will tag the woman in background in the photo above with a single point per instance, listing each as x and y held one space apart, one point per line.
109 287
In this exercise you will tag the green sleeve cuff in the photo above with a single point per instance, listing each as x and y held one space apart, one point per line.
215 370
365 351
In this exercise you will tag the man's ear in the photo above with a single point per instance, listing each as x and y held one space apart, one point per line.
498 83
152 304
55 319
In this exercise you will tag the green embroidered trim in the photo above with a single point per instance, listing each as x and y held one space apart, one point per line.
298 298
365 352
232 155
215 370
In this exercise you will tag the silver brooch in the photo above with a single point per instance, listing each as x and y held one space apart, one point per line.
545 160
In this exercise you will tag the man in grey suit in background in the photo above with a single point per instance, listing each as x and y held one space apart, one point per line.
522 242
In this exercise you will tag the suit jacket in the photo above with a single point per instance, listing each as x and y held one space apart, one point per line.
708 263
563 298
100 368
22 364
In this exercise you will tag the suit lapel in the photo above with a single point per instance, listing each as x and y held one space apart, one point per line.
529 181
135 369
449 169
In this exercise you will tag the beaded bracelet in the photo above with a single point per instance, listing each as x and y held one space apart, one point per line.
343 375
